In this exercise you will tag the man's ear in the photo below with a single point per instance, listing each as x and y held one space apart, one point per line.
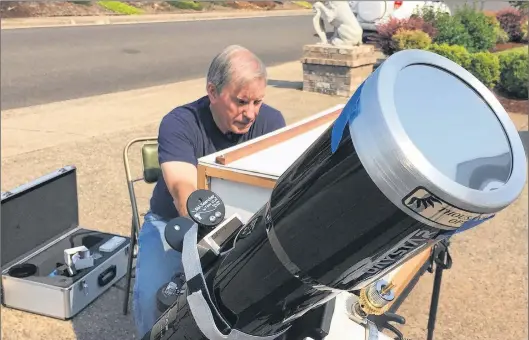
212 91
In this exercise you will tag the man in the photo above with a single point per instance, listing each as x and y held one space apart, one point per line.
232 112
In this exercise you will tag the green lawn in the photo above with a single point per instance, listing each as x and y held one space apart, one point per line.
120 7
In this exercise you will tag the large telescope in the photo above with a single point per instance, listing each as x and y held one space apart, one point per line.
422 151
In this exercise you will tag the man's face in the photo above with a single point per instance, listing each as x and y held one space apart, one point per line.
237 106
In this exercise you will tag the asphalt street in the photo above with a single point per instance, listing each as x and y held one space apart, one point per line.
43 65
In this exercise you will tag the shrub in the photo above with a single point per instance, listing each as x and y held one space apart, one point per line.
197 6
473 30
479 28
501 35
451 31
120 7
486 67
411 39
514 72
524 31
387 30
457 54
511 21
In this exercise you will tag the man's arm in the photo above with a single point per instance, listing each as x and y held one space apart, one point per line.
176 152
181 180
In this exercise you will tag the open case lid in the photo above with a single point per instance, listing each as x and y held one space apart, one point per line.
38 212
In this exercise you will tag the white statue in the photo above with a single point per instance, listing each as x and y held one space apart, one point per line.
347 30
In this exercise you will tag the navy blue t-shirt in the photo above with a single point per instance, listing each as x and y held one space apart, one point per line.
189 132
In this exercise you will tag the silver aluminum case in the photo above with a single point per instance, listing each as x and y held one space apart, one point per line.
58 302
47 299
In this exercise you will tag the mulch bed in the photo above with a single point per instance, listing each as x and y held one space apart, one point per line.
512 105
507 46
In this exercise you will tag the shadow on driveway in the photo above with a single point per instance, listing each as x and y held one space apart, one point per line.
104 319
285 84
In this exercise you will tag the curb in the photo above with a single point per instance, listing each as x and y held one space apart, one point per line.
17 23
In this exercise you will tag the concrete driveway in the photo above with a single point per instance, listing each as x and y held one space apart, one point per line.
484 295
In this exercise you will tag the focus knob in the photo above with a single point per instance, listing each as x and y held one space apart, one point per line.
175 231
205 208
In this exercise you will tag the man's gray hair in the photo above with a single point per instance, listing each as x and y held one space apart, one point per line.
226 67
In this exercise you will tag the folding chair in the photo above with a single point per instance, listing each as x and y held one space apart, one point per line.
150 173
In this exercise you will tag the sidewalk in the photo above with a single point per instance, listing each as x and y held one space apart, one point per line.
34 128
12 23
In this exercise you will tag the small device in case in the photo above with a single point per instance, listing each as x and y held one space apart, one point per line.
110 245
50 265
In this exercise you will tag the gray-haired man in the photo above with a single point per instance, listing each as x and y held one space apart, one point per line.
232 112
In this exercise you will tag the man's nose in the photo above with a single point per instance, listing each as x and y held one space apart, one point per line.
251 111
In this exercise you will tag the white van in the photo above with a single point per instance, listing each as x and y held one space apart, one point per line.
371 13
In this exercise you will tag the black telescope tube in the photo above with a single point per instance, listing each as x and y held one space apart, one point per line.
351 209
326 228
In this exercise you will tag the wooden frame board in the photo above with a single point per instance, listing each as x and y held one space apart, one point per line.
402 277
218 165
205 172
233 155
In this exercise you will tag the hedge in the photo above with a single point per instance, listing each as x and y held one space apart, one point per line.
411 39
514 66
466 38
466 27
483 65
482 35
486 67
458 54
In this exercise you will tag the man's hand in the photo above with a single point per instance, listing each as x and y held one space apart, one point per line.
181 180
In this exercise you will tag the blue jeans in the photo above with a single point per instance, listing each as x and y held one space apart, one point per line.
156 264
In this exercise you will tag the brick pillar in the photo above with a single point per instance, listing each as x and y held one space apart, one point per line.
336 70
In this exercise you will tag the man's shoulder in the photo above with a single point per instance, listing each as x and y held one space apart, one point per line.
186 112
184 117
270 112
271 117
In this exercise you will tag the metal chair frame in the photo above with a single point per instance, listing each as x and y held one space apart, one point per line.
135 224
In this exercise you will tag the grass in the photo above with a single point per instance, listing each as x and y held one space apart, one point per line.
516 49
197 6
120 7
303 4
